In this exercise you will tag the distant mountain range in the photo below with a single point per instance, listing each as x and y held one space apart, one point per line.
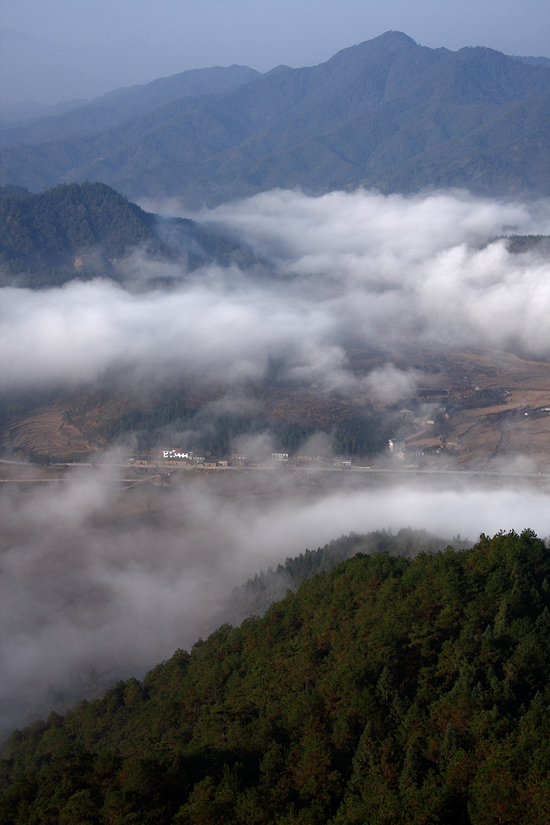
386 113
123 104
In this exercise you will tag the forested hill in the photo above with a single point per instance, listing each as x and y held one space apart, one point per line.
79 230
257 594
386 691
55 224
386 113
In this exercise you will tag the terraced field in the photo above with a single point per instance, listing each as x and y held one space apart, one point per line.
46 432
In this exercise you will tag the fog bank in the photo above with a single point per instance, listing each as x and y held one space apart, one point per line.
390 272
98 582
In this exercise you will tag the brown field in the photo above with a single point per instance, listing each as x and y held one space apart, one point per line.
515 427
46 432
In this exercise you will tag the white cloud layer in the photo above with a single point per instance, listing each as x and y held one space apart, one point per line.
388 271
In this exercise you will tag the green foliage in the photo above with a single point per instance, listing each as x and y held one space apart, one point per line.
79 230
71 217
361 435
257 594
387 691
43 233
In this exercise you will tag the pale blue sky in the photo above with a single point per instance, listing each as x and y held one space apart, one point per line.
183 34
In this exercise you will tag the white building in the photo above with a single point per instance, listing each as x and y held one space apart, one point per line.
397 447
169 454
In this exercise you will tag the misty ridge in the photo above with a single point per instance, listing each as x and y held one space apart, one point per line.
100 583
386 113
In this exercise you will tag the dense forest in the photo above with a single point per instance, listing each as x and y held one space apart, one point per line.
258 593
387 690
351 434
82 230
44 232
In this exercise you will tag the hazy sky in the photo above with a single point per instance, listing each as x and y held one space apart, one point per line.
182 34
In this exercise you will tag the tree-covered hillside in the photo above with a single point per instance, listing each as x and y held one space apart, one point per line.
257 594
386 691
80 230
55 224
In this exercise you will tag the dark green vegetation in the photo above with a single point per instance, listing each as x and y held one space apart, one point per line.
214 432
257 594
81 230
386 113
45 232
386 691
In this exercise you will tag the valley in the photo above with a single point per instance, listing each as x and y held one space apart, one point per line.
485 406
274 368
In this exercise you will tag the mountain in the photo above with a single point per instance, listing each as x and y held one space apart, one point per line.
385 691
44 71
386 113
533 61
11 113
121 104
81 230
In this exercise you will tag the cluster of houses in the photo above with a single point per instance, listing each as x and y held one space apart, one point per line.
179 458
187 458
398 449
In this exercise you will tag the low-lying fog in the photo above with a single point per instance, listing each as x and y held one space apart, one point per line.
94 578
386 271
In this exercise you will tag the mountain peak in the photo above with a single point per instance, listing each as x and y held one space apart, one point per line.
394 36
386 113
386 46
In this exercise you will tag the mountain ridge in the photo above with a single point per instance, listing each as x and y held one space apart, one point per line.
412 117
85 230
110 108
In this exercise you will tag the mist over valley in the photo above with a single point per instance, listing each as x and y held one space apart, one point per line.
322 324
353 307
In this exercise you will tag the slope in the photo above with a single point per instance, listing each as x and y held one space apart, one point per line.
121 104
387 691
84 230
